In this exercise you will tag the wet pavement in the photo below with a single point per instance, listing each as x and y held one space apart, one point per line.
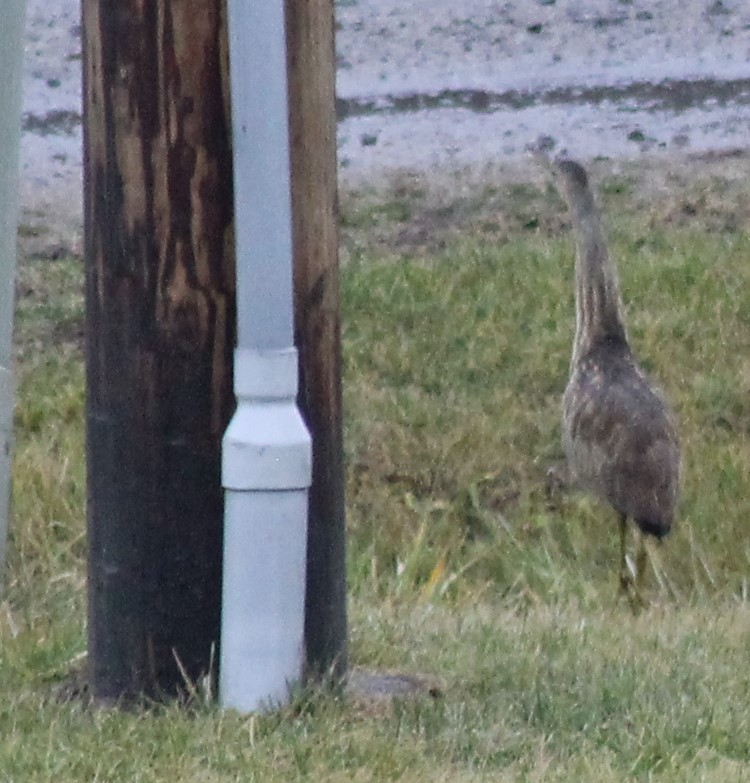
425 85
51 155
429 86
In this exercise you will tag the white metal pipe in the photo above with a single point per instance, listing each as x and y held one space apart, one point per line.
11 56
267 452
260 125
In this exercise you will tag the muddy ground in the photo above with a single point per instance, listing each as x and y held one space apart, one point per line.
438 100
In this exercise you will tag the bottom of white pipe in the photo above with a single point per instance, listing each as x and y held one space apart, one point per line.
262 625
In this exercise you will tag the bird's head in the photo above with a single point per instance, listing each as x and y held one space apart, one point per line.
569 175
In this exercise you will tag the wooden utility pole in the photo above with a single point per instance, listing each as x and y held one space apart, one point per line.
311 70
160 330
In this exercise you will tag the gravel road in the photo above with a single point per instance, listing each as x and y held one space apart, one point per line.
435 87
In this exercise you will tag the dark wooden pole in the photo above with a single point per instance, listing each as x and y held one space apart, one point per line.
310 46
160 330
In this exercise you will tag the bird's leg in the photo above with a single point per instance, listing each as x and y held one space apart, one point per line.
626 577
629 578
642 559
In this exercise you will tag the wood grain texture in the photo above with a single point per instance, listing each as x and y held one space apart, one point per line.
160 330
311 70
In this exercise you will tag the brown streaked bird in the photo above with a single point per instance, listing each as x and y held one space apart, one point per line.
619 436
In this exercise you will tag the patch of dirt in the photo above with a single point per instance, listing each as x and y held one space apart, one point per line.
374 691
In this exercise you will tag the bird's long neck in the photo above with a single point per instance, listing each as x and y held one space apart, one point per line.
597 291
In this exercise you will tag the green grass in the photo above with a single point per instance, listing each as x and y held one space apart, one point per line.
461 567
454 369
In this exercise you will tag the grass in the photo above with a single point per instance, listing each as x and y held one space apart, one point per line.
461 565
455 365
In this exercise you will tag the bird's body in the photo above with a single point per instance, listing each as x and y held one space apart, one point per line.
619 440
619 436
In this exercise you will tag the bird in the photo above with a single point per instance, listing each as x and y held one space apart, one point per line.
619 435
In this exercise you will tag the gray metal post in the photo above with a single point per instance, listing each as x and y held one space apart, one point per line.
11 54
266 468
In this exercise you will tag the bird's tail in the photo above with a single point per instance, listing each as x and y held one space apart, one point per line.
654 527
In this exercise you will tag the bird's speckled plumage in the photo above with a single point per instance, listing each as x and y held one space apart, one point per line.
619 436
